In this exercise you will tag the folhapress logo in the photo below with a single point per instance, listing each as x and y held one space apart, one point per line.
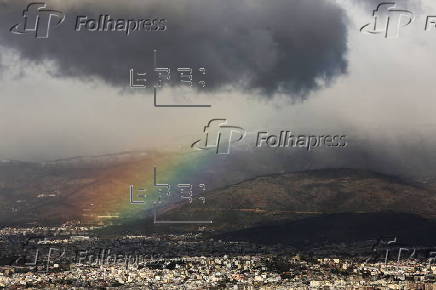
217 134
38 20
388 20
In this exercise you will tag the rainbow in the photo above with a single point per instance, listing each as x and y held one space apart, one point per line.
110 195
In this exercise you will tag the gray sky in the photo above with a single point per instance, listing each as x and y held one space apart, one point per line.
291 65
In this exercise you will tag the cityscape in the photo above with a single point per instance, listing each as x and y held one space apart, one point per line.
234 144
72 256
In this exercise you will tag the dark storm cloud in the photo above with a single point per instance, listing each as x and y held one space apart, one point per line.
280 46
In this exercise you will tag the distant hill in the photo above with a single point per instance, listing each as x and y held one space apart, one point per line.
409 229
77 188
293 196
55 192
